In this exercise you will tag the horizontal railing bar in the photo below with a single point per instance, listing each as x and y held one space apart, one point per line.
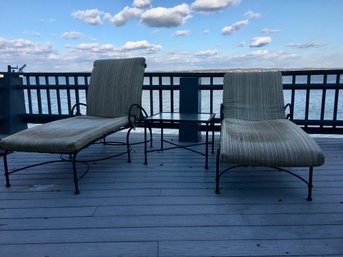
319 122
312 72
176 87
179 74
313 86
48 87
328 131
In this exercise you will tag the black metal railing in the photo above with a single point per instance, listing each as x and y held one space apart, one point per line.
316 96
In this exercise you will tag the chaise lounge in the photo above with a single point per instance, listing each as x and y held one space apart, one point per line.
255 131
115 89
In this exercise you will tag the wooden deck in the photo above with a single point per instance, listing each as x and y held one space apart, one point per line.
169 208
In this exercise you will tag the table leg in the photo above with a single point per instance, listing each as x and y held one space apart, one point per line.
161 136
206 151
145 142
212 124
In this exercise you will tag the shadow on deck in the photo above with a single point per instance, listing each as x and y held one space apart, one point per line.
169 208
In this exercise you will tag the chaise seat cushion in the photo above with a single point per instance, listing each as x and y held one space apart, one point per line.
63 136
273 143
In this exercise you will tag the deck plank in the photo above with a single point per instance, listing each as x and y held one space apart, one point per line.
106 249
280 248
213 233
169 208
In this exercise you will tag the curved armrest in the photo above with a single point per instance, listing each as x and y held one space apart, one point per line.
77 105
289 115
136 115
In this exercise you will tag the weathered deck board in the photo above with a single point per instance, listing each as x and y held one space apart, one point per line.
169 208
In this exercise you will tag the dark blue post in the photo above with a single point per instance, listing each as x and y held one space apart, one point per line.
11 103
190 102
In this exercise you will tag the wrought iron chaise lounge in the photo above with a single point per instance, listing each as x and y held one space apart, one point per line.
115 89
255 130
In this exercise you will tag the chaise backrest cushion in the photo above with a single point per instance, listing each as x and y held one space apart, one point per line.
253 95
114 86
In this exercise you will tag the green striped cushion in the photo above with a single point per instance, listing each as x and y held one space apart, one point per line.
63 136
279 143
253 95
114 86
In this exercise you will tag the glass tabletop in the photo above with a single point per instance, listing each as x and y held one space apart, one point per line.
175 116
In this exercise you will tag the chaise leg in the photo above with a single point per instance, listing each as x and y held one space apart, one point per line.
128 145
217 172
76 180
309 185
150 131
6 170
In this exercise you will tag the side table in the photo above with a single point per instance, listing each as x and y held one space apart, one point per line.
164 118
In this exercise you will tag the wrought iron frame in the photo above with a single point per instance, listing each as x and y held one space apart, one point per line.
220 173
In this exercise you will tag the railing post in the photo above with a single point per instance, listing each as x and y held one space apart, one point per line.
190 102
12 103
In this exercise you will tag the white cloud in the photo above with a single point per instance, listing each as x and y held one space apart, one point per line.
32 33
260 53
270 31
95 48
212 5
23 47
80 57
166 17
206 32
227 30
141 45
252 15
266 54
206 53
265 59
180 33
175 61
20 51
310 44
260 41
72 35
91 16
123 16
141 3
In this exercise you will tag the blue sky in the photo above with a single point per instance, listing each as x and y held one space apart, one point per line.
173 35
